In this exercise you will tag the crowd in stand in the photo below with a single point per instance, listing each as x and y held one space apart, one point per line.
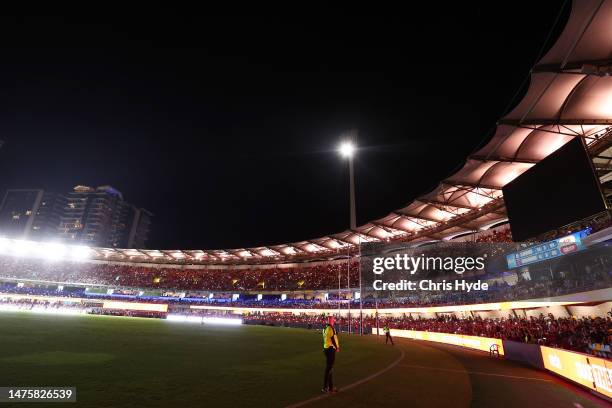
59 307
568 333
311 277
296 281
501 235
593 274
587 335
306 276
40 305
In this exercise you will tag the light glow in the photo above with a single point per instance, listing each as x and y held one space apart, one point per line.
222 321
23 248
52 251
4 244
42 310
204 320
346 149
80 252
147 307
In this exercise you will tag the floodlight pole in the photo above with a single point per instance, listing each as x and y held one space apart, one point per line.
360 293
352 192
339 285
353 225
353 228
348 286
347 150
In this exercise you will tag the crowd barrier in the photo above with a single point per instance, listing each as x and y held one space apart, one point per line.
589 371
525 353
592 372
472 342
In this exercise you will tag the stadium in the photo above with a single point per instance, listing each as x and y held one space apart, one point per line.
242 326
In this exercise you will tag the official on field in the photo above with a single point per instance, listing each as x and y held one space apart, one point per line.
388 337
331 346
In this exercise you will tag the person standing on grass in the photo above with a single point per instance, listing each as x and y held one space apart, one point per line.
331 346
388 337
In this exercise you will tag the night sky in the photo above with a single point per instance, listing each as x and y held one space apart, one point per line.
225 127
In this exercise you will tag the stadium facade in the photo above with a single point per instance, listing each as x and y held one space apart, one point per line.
569 97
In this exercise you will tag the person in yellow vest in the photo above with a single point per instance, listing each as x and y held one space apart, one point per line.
331 346
388 337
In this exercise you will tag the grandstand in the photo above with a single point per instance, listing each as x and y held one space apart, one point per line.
563 305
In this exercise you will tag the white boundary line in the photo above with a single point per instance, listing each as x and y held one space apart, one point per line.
352 385
475 372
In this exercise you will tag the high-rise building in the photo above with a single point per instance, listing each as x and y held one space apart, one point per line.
47 217
139 230
91 216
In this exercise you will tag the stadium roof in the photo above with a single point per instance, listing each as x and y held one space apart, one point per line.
570 95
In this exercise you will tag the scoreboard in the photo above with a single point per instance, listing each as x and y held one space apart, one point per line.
548 250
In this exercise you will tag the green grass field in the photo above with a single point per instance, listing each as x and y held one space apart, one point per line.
126 362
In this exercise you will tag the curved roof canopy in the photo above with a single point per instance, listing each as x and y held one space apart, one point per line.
570 95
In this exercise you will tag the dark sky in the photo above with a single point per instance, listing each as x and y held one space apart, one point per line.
225 126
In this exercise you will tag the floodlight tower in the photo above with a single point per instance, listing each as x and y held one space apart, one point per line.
347 150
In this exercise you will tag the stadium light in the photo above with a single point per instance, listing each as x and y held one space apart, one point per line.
80 252
347 149
52 251
23 248
204 320
183 318
4 244
222 320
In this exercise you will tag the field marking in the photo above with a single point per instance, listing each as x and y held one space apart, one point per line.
475 372
352 385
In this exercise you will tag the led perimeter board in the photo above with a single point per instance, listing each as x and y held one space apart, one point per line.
561 189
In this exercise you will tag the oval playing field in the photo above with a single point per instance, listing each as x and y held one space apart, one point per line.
128 362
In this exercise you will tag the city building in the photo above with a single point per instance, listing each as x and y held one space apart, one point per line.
139 229
86 215
47 216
